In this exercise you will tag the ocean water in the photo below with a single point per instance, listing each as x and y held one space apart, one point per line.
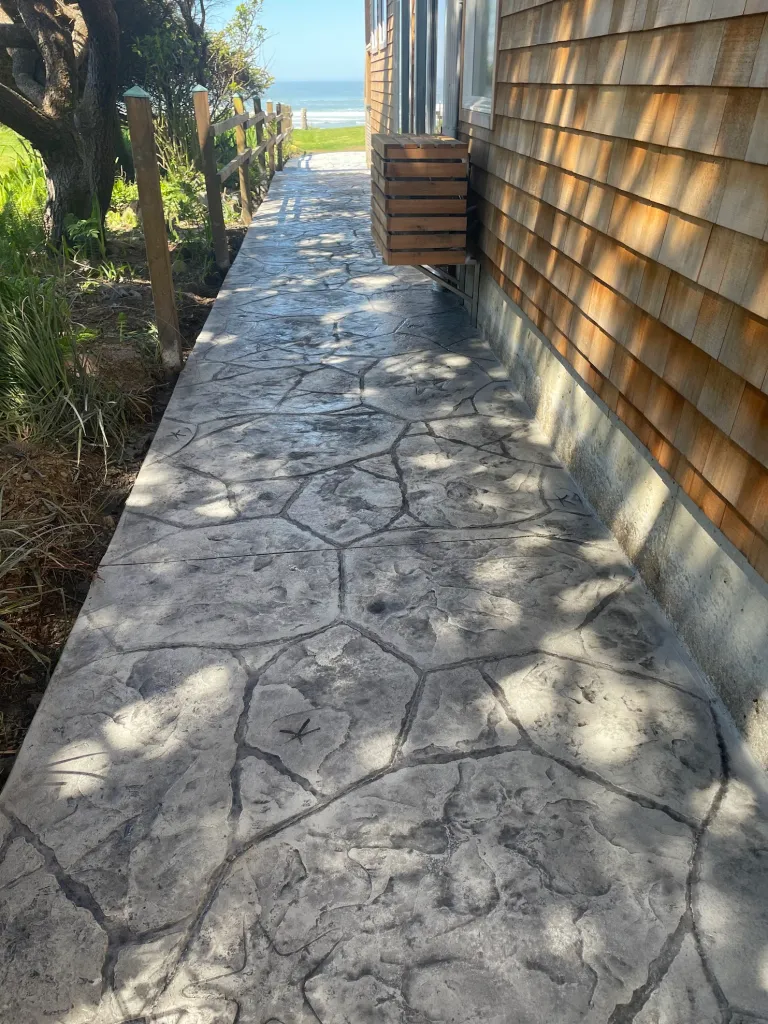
329 104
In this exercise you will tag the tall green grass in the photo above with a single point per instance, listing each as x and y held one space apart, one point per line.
48 390
22 205
12 147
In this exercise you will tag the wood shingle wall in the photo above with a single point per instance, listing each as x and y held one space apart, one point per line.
381 81
623 200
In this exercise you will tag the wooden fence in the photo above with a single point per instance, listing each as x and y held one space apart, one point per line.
278 126
272 126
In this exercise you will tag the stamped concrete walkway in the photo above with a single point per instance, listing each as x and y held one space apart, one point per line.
366 719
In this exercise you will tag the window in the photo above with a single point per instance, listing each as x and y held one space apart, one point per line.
479 59
378 10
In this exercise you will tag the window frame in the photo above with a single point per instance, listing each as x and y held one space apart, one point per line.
477 109
378 22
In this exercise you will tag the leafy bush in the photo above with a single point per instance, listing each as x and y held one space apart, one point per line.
86 235
124 193
182 185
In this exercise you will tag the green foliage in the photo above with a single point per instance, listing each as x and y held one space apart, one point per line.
12 148
86 235
234 56
181 201
47 389
177 53
123 212
182 185
124 193
23 196
167 62
182 190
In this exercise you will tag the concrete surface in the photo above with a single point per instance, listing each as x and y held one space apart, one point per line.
716 600
366 719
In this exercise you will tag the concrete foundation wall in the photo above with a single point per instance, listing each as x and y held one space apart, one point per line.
717 602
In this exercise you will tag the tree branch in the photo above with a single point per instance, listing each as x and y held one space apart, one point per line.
55 46
25 60
29 122
97 110
79 30
25 65
104 37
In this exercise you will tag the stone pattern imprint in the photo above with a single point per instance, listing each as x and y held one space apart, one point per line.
366 720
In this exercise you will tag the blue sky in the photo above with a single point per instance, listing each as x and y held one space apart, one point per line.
311 40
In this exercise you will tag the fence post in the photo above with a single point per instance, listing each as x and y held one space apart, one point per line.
260 133
244 170
304 118
271 149
139 107
279 112
212 183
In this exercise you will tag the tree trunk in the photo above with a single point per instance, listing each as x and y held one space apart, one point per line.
74 122
80 169
79 179
69 192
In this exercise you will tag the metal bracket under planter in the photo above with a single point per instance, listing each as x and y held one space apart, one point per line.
470 268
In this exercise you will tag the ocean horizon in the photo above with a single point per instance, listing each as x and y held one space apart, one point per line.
329 104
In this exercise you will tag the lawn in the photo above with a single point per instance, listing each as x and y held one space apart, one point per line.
11 145
329 140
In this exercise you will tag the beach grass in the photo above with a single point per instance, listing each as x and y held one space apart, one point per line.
328 140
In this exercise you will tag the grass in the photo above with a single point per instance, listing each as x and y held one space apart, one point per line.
46 387
11 149
329 140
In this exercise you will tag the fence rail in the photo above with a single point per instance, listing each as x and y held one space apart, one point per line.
243 120
278 124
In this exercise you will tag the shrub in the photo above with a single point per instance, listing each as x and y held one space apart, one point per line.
182 185
124 193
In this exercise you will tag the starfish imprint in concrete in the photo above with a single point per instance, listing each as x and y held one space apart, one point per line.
300 733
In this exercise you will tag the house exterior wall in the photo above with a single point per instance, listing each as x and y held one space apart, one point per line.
381 106
622 227
622 197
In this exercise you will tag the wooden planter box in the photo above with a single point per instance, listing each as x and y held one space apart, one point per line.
419 199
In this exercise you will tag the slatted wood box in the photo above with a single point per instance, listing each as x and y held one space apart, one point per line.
419 199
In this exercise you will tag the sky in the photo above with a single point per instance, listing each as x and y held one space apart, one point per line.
311 40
